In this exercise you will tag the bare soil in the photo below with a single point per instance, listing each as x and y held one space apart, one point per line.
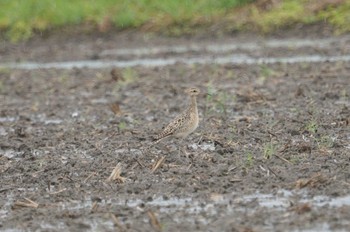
280 130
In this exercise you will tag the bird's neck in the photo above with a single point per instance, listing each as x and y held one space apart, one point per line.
193 103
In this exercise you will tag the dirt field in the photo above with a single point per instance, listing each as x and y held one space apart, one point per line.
271 152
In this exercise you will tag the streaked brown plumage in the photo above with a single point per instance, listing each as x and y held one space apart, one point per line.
185 123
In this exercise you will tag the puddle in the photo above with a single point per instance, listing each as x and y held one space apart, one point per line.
10 153
201 211
179 207
75 114
216 55
36 118
332 202
100 101
268 200
8 119
209 59
42 118
3 131
53 121
214 48
275 202
203 146
323 227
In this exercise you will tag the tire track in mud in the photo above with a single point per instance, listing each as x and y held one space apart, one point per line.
229 53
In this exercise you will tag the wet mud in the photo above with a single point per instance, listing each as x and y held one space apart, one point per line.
271 152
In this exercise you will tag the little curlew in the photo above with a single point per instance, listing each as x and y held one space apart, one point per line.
185 123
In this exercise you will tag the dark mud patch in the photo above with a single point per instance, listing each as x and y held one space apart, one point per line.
272 145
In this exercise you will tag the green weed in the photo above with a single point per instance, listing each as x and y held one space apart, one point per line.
209 98
129 76
312 126
325 142
4 70
265 73
344 94
232 135
216 100
269 150
249 160
122 126
295 159
2 87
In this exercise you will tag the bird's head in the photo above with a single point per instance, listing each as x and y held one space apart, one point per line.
192 91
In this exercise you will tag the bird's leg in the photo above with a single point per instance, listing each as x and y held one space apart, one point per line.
183 149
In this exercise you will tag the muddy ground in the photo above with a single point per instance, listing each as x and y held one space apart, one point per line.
271 152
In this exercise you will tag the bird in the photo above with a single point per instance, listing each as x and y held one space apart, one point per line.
185 123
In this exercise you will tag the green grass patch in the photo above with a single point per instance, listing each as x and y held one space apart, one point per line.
20 19
285 13
339 17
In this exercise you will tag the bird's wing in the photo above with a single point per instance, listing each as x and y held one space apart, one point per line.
170 128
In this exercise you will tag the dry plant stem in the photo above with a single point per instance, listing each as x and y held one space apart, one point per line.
117 223
91 175
154 221
189 166
310 182
273 172
236 180
94 206
346 183
27 203
139 163
59 191
158 164
115 175
5 189
283 159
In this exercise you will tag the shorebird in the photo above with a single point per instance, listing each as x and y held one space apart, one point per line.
185 123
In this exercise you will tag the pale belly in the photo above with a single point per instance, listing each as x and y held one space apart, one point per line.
185 132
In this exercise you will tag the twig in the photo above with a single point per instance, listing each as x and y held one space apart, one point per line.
272 172
272 134
34 174
5 189
346 183
142 166
94 206
200 140
233 168
286 146
189 166
117 223
236 180
154 221
59 191
281 158
115 175
27 203
262 168
89 176
158 164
